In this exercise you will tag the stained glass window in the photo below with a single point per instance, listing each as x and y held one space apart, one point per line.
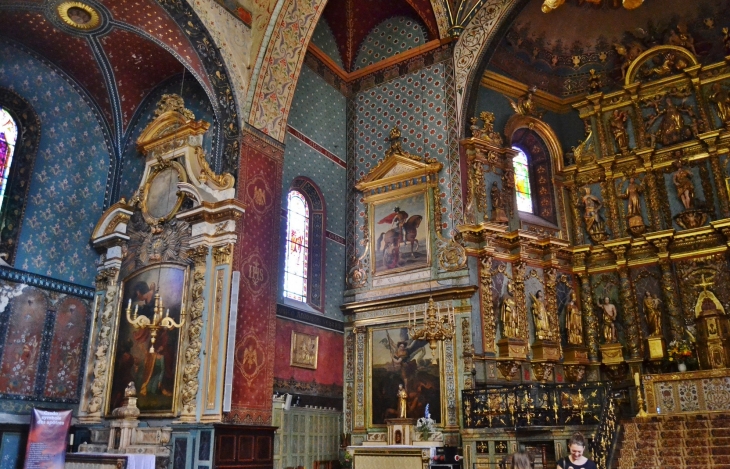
8 137
297 247
522 181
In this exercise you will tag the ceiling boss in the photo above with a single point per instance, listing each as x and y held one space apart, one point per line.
79 15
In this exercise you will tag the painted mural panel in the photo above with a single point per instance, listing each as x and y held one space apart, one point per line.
395 360
23 341
150 363
65 359
400 234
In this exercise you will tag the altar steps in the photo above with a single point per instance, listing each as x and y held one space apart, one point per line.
676 442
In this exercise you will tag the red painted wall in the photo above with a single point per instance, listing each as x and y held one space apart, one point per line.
330 357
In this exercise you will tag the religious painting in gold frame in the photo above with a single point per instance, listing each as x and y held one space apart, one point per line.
156 375
400 234
395 359
304 350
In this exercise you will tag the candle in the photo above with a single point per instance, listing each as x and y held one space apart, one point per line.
636 379
129 305
167 314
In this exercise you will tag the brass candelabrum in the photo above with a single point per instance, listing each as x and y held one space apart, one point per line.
159 321
436 326
639 398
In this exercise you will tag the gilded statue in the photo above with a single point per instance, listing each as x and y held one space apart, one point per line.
498 213
720 98
402 404
574 321
632 193
682 179
508 314
653 314
591 207
609 321
617 122
540 316
525 104
628 54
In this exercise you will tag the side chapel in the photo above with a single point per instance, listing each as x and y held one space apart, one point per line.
306 234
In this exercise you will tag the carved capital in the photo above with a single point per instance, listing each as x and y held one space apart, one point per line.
508 368
222 254
198 254
106 277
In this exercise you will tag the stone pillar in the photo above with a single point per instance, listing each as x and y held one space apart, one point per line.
256 257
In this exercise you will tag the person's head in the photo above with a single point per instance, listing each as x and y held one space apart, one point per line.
142 292
606 300
576 445
521 460
402 345
538 295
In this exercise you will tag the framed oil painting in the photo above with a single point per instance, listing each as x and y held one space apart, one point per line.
304 348
400 233
154 372
395 359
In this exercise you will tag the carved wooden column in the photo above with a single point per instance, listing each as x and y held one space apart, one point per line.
590 321
578 237
608 190
661 240
718 176
359 404
106 281
628 302
194 343
518 277
489 321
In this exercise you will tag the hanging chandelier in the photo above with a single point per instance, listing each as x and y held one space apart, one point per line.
436 326
550 5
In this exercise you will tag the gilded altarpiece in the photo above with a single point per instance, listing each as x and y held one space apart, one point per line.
162 291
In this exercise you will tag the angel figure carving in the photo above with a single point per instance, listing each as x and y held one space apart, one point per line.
525 105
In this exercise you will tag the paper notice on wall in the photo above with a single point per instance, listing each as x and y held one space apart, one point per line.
47 439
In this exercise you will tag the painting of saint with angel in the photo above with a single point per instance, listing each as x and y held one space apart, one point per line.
397 360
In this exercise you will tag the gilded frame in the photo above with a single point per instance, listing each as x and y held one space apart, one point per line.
440 356
175 407
408 201
155 171
94 18
304 350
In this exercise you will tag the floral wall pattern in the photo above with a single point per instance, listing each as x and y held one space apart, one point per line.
391 37
317 120
67 188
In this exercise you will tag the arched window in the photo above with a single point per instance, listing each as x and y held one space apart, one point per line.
522 182
8 138
304 255
297 247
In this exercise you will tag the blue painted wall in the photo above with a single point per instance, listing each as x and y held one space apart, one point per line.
318 112
68 184
325 40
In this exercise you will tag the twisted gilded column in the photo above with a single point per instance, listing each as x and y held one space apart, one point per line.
489 322
669 286
719 177
628 302
518 278
590 321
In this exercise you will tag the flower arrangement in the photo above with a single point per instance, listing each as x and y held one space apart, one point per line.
425 425
679 350
346 460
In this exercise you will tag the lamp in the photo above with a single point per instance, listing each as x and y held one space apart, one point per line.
435 327
158 320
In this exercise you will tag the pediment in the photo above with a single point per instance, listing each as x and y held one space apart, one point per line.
398 167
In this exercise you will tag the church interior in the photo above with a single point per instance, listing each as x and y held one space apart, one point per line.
279 234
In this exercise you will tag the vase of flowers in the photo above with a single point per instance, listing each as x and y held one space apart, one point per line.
425 426
679 351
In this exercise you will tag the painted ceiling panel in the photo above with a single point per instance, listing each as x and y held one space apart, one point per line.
70 53
150 17
352 20
138 66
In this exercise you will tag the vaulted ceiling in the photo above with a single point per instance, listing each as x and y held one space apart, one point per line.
352 20
136 46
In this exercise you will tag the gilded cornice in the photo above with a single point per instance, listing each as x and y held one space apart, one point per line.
418 298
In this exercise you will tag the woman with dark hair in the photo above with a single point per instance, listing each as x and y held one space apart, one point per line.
575 458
